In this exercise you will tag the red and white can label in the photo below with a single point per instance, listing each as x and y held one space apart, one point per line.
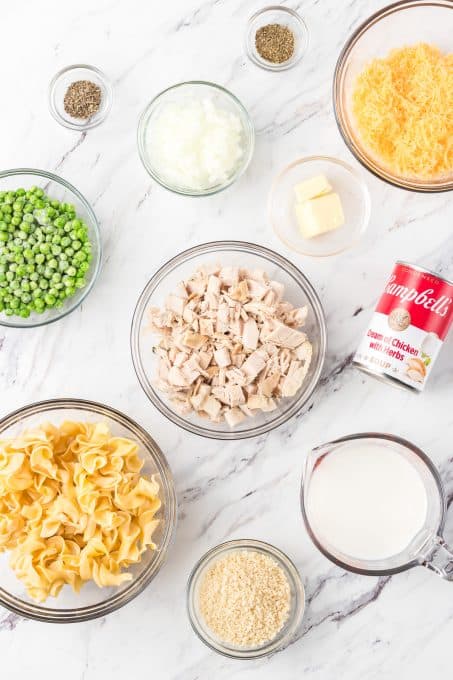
408 327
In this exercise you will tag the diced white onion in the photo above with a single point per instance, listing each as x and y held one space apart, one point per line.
195 144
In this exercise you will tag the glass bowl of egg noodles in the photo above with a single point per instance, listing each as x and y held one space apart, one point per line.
66 605
195 138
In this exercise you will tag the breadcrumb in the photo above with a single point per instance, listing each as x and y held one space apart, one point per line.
245 598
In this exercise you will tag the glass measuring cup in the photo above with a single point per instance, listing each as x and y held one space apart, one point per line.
427 547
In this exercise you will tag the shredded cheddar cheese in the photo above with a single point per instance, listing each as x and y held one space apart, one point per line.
403 106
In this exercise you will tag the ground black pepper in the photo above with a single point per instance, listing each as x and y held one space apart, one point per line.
275 43
82 99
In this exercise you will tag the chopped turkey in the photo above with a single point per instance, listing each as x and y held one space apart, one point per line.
198 398
222 357
181 290
176 377
175 304
234 416
206 327
268 385
204 359
179 359
257 289
304 351
212 407
250 334
214 285
254 364
236 377
240 292
285 336
257 401
229 344
229 276
194 340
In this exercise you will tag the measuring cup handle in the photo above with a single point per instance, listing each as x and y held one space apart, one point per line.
440 559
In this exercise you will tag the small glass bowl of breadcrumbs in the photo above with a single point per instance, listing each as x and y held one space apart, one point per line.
80 97
245 599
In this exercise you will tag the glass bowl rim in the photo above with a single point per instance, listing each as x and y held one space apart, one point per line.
108 91
352 171
386 437
210 248
52 615
291 573
361 156
95 224
249 132
303 29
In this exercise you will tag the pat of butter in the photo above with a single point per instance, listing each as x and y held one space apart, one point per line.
311 188
319 215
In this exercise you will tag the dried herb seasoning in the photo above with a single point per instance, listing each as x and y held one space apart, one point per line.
275 43
82 99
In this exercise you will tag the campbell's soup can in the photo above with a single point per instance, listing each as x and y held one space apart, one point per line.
408 327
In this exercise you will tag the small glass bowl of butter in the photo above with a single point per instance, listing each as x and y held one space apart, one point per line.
319 206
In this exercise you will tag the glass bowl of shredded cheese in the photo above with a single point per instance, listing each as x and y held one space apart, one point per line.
195 138
245 599
76 547
393 94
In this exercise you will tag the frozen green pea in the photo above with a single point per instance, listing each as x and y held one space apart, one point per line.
44 251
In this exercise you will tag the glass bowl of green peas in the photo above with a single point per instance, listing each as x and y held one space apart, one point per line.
50 248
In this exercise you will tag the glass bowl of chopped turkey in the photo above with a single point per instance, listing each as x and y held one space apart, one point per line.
228 340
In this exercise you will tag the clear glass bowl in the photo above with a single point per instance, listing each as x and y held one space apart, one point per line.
345 180
397 25
58 188
297 605
298 291
59 85
92 601
196 89
285 16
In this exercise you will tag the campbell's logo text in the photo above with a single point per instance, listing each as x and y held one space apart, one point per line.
424 298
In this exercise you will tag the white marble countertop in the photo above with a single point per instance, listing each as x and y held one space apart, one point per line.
355 627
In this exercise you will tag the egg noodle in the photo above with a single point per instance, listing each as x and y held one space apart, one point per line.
74 507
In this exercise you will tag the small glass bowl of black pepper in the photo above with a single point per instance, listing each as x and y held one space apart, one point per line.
80 97
276 38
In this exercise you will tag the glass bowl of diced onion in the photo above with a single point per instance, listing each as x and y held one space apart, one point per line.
92 601
297 290
401 24
195 138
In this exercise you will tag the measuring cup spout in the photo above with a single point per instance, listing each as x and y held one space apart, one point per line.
312 460
440 559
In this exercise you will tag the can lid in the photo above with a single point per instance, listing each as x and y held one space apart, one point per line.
425 270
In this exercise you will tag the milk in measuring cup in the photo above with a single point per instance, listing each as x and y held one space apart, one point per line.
366 500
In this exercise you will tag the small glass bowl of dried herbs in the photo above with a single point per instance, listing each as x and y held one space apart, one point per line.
276 38
80 97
